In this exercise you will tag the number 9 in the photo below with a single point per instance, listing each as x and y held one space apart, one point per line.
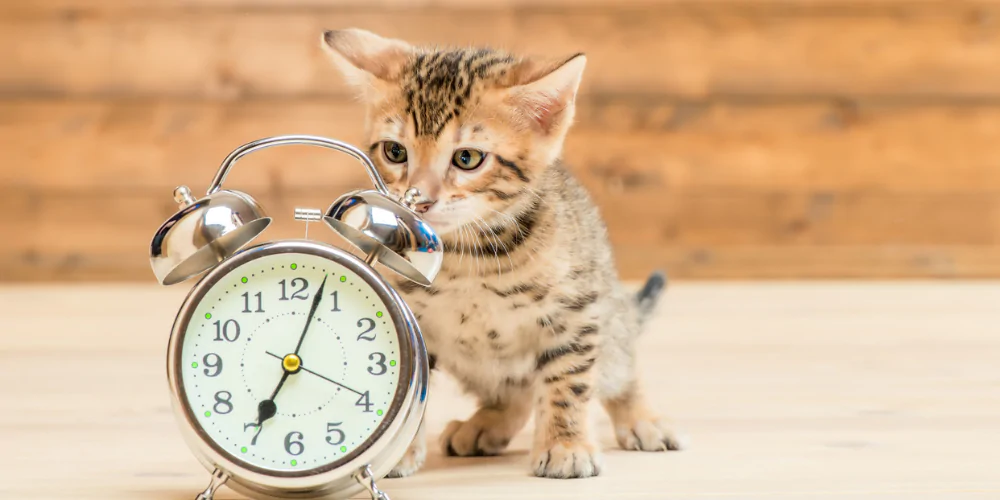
216 363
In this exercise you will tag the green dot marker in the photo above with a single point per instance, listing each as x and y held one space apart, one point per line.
343 279
343 449
243 449
208 414
244 279
379 413
208 315
294 267
194 365
294 462
378 314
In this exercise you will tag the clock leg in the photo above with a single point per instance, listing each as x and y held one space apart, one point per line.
218 479
364 476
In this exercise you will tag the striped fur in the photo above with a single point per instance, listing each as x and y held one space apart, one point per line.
527 311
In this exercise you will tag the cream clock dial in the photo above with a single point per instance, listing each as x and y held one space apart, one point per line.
290 363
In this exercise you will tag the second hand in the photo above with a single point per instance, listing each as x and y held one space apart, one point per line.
303 368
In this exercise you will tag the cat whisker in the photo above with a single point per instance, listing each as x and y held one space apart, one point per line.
461 245
473 246
533 192
517 227
485 231
506 250
527 249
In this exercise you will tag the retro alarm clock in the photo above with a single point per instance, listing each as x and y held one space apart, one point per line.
295 369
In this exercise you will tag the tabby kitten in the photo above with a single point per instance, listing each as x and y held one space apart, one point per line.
527 311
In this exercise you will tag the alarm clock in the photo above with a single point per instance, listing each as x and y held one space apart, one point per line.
295 369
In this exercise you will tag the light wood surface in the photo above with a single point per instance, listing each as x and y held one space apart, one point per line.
722 139
856 391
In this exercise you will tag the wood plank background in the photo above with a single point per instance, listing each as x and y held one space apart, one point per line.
723 139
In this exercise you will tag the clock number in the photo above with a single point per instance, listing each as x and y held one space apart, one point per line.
299 294
336 308
222 331
222 402
332 427
246 302
364 401
371 326
252 425
290 442
380 363
217 364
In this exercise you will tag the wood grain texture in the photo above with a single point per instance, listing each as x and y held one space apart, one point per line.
626 145
915 51
868 391
706 191
82 236
52 7
723 138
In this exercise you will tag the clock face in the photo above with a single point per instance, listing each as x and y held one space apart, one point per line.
290 363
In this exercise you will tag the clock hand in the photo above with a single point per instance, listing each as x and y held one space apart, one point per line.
266 408
303 368
312 312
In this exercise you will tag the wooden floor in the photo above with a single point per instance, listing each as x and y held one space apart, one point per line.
857 391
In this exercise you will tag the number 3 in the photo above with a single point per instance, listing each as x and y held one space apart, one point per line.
380 363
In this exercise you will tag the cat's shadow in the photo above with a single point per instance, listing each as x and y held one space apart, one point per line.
437 461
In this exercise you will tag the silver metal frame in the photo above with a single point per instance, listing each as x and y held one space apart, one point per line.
343 478
304 140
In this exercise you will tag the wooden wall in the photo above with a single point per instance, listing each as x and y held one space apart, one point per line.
722 138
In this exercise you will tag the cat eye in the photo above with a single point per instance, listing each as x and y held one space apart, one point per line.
394 152
467 159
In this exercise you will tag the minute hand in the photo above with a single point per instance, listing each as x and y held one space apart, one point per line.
355 391
312 312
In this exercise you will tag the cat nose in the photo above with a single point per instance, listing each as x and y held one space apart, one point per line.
421 207
417 201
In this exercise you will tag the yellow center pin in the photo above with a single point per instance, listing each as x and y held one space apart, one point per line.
291 363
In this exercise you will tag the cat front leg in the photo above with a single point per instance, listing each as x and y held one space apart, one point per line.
414 458
490 429
563 447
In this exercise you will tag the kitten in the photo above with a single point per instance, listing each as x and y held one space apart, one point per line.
527 311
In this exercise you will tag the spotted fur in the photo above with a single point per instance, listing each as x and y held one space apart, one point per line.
527 311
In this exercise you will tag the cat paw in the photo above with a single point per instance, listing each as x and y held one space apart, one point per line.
411 462
567 460
471 438
648 435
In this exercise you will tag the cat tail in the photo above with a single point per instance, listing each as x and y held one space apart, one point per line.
647 298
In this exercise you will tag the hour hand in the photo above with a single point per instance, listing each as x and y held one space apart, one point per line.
265 410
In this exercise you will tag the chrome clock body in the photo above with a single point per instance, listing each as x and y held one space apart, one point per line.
210 233
386 445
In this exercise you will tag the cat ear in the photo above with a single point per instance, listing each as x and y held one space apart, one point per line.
544 93
362 55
